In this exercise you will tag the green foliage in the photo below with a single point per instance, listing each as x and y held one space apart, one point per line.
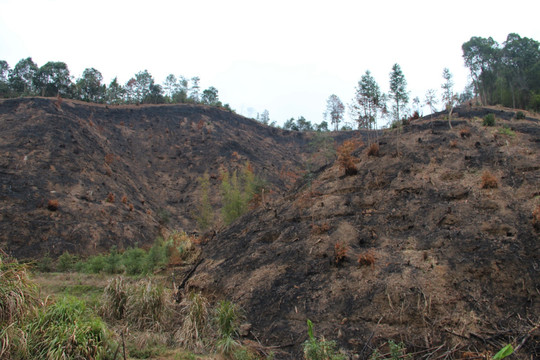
520 115
315 349
506 131
507 74
134 261
156 257
398 92
65 262
205 213
113 262
397 352
95 264
237 192
489 120
504 352
368 101
67 329
45 264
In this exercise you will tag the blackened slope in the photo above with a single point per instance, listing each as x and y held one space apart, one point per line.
78 153
450 256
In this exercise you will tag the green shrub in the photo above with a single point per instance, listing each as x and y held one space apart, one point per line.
65 262
113 262
45 264
489 120
315 349
134 261
156 256
68 330
520 115
95 264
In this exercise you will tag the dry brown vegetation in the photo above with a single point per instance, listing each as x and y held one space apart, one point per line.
489 181
52 205
366 259
345 159
373 149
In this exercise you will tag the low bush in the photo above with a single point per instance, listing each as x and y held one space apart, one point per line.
134 261
489 120
65 262
520 115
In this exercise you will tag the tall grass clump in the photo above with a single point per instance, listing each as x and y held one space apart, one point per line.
196 325
114 300
67 329
147 306
18 296
226 316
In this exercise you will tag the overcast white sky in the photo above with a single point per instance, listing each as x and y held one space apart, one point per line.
286 56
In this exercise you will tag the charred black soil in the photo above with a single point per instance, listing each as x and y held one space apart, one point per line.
118 175
414 247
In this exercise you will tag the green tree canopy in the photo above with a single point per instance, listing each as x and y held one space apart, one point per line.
398 92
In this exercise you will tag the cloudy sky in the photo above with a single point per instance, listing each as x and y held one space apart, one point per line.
284 56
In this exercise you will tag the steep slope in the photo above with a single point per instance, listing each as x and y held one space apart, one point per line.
433 257
148 158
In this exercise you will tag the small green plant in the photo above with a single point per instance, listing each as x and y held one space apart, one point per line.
489 120
504 352
397 352
315 349
520 115
506 131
